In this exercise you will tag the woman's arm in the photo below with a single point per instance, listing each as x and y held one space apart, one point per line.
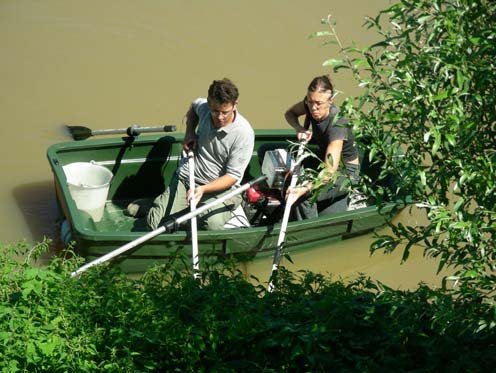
292 117
332 159
333 155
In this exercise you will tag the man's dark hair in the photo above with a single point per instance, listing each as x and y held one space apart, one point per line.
223 91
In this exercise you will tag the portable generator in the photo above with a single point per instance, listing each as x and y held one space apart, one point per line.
276 165
263 202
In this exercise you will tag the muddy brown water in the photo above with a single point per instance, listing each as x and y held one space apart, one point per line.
116 63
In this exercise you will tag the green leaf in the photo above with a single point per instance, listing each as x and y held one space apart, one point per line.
458 204
360 62
453 278
440 96
423 178
319 34
339 67
459 78
32 286
406 252
424 19
330 42
332 62
470 274
437 143
47 348
372 153
451 139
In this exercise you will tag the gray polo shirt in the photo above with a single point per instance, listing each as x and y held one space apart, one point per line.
224 151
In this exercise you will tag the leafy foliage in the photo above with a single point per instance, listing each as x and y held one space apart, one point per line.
169 321
429 91
429 108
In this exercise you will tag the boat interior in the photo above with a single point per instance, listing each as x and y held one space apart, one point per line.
141 169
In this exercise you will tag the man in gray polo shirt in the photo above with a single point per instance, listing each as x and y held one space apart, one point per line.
223 141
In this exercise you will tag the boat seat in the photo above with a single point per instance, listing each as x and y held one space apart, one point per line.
238 219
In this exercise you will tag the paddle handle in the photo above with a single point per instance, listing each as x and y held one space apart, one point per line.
168 226
192 203
119 251
133 130
285 218
217 201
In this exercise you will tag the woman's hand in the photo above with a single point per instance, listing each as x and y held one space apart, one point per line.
304 135
293 194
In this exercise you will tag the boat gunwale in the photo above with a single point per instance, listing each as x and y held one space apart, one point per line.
89 235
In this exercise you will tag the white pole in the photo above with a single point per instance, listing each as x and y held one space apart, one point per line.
169 225
119 251
192 202
285 218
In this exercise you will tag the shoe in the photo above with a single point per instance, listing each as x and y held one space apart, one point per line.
139 208
357 201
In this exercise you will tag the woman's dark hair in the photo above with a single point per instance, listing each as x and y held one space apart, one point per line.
223 91
321 84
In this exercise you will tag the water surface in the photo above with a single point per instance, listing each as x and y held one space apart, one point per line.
111 64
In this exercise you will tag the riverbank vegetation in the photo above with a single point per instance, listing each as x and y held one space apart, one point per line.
429 85
169 321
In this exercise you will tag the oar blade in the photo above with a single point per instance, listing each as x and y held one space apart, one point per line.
79 132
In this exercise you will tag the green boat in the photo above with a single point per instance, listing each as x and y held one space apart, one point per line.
139 166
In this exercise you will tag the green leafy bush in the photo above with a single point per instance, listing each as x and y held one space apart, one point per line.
169 321
428 110
429 90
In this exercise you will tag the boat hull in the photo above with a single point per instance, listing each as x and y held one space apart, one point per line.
141 167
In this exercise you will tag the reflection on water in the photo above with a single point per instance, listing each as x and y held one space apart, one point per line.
116 63
348 258
37 203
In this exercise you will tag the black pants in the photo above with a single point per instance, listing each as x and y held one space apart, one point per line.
330 200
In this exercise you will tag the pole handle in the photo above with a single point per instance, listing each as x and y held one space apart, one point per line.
169 226
134 130
285 218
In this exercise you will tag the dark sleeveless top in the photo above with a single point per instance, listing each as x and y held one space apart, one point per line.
329 130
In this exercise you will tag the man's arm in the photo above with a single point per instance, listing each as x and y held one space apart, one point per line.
218 185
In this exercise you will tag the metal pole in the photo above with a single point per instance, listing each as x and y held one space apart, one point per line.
169 225
192 203
285 218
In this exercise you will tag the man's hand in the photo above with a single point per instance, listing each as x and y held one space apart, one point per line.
198 194
189 142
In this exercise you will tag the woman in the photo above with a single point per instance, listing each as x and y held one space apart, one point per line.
336 143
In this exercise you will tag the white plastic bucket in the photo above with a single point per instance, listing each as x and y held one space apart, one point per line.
89 185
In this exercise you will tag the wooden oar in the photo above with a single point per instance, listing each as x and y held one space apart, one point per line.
82 133
170 226
285 218
192 203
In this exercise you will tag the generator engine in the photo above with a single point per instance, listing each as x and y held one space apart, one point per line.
263 203
276 165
